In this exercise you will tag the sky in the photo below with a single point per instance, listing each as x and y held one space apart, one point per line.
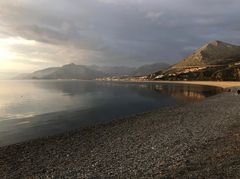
36 34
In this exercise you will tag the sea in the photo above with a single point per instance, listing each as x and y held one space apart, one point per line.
32 109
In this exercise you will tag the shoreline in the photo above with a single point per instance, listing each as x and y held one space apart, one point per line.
221 84
195 140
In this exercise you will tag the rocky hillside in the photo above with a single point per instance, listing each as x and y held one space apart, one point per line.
214 61
213 53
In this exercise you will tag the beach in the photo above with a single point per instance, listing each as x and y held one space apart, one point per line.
196 140
221 84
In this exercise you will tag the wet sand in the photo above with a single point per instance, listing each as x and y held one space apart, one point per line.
197 140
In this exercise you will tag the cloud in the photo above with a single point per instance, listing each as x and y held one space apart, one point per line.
115 32
154 16
108 1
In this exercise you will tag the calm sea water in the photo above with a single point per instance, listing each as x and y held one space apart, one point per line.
32 109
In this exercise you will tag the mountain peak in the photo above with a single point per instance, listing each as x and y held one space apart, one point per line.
70 65
216 42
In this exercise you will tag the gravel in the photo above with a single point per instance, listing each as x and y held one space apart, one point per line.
197 140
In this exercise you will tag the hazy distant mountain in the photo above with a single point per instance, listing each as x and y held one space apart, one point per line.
214 61
131 71
39 74
69 71
148 69
73 71
113 70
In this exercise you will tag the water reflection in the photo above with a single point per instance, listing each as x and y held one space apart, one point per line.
31 109
20 99
184 92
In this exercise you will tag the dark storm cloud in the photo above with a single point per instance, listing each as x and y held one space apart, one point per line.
122 32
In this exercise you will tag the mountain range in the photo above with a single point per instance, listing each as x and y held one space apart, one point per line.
73 71
216 60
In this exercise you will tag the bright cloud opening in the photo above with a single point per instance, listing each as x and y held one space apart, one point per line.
16 41
4 54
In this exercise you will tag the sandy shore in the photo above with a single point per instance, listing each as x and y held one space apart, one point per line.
221 84
198 140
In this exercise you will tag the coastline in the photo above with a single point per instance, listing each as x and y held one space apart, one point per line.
196 140
221 84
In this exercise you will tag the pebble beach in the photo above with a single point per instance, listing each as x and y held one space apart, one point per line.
196 140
